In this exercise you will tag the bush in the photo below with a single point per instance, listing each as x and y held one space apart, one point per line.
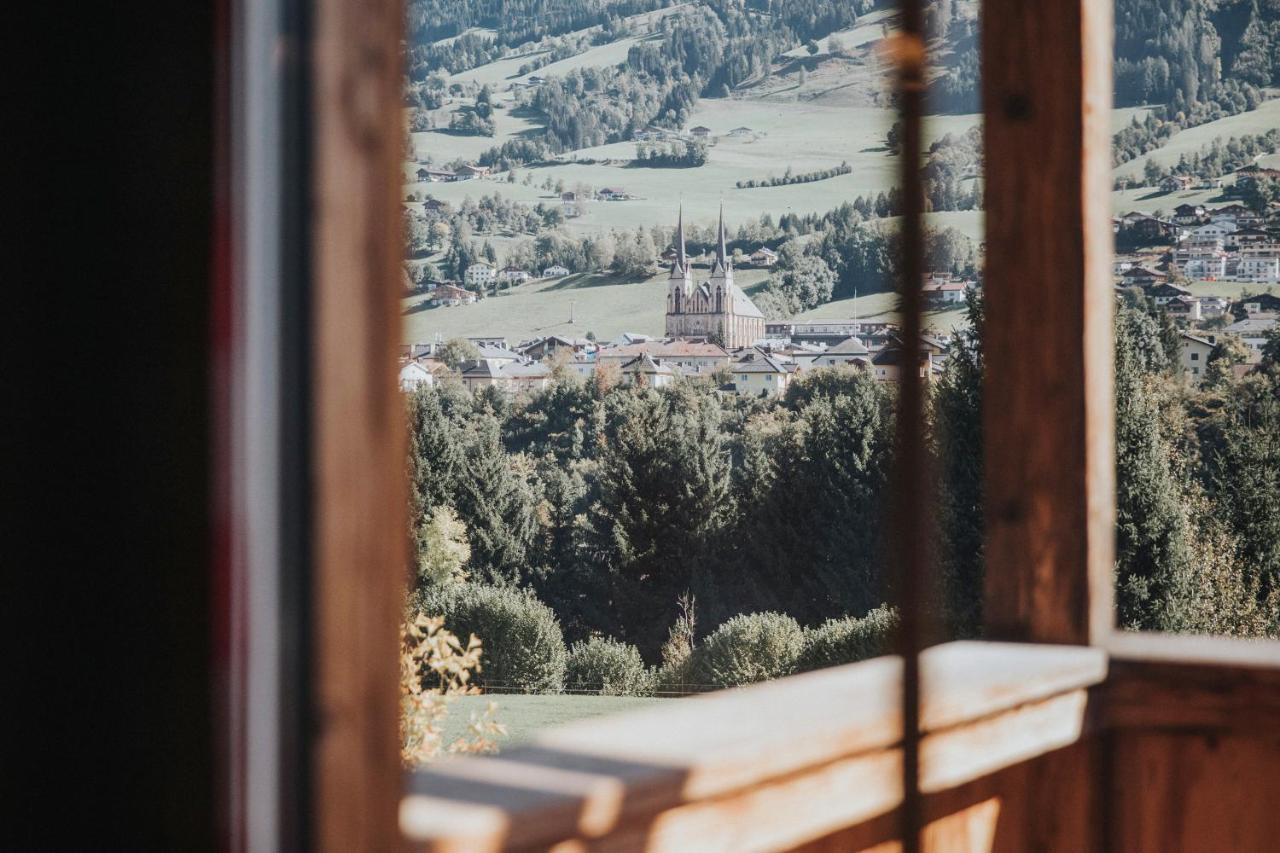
608 667
749 648
523 645
847 640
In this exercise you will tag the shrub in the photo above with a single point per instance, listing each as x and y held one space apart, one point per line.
523 645
839 641
749 648
608 667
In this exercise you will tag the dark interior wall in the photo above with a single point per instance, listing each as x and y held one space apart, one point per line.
107 259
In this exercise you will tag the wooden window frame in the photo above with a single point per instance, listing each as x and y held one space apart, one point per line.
1048 425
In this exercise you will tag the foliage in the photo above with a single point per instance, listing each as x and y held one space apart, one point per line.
848 640
434 668
802 178
525 650
442 548
607 667
749 648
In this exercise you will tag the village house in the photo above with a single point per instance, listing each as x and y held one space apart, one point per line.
944 292
445 294
688 356
888 363
1188 214
569 204
756 374
1244 237
1184 307
489 342
521 379
612 194
513 275
543 348
1176 183
739 132
497 354
480 274
851 351
1201 263
1162 293
646 134
415 375
1150 228
555 271
435 175
646 371
1252 331
435 205
700 132
1141 276
764 257
469 171
1260 303
1193 356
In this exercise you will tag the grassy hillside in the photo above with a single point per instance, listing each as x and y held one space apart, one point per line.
526 716
1265 117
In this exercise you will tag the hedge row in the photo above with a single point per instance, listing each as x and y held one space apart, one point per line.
524 648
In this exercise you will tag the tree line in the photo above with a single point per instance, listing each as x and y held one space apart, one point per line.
790 177
610 502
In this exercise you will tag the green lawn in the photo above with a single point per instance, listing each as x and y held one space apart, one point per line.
603 304
525 716
1189 141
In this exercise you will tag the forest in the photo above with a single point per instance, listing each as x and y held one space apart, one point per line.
612 504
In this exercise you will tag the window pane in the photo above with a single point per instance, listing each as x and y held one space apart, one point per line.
1197 270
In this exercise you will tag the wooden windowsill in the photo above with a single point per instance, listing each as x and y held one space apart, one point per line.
790 761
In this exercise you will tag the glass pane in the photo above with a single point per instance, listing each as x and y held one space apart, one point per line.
1197 269
650 339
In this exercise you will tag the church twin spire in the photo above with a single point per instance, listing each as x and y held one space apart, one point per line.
681 263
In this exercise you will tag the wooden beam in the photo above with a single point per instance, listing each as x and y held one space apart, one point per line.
359 559
1046 71
774 765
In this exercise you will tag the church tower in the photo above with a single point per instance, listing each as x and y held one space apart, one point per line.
679 284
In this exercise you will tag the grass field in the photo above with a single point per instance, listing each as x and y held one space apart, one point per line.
525 716
1190 141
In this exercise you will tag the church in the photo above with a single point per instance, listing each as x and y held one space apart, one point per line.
717 308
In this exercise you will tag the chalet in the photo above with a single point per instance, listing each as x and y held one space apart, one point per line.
1188 214
887 365
436 175
739 132
1261 303
688 356
555 271
1193 356
944 292
450 294
414 375
569 204
480 274
851 351
700 132
435 205
645 134
1252 331
1141 277
1176 183
764 257
1162 293
759 375
469 171
1202 263
1249 176
1184 307
612 194
497 354
493 342
1150 228
521 379
543 348
645 370
536 80
513 275
1243 237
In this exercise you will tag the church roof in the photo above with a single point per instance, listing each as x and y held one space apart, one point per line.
742 304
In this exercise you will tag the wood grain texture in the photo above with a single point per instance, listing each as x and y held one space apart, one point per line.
359 554
1194 793
1048 408
784 762
1212 698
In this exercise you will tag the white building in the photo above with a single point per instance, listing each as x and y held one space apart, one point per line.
414 375
1193 355
513 275
1258 268
480 274
760 375
555 271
